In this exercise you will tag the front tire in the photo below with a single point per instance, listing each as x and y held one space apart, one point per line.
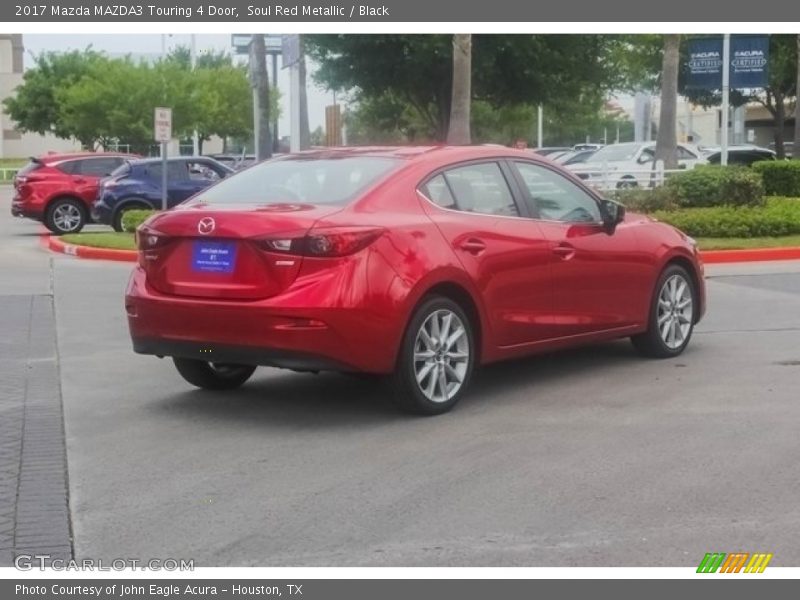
213 376
672 315
65 215
436 359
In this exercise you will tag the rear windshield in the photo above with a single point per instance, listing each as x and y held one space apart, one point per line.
301 180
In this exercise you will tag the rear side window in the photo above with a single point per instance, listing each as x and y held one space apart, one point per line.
96 167
439 192
301 180
68 166
481 188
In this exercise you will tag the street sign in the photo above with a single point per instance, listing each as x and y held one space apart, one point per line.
291 50
241 43
163 124
749 58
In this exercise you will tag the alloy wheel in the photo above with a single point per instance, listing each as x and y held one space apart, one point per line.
67 217
441 355
675 311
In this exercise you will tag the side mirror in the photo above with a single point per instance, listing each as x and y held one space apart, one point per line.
613 214
644 159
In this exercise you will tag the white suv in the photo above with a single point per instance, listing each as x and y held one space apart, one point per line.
630 165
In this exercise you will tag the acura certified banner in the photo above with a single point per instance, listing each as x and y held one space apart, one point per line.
749 58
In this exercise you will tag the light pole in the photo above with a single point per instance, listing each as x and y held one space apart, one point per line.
193 56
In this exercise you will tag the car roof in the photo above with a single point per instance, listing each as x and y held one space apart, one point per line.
416 154
154 160
56 157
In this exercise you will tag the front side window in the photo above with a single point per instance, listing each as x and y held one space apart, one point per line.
481 188
555 198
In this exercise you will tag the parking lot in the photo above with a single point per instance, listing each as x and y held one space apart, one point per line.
592 457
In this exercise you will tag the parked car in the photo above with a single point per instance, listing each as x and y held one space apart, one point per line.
574 157
417 263
588 146
137 184
788 148
739 155
630 164
59 189
237 162
547 151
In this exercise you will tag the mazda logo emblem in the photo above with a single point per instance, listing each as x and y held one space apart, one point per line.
206 225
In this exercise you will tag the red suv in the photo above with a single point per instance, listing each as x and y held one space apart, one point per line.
59 189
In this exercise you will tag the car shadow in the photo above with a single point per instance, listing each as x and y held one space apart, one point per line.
331 400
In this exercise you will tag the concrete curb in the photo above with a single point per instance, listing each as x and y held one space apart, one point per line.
750 255
709 257
56 245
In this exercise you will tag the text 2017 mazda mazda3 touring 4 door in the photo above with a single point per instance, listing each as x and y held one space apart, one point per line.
417 263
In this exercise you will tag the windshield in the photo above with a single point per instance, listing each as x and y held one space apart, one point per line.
615 153
302 180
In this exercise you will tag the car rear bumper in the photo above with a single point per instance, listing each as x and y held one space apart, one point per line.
263 332
20 208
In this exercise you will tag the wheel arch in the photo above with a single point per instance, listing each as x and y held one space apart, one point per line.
66 196
459 294
691 267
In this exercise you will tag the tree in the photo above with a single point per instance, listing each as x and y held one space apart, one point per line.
459 126
114 101
416 71
34 107
207 59
258 65
666 141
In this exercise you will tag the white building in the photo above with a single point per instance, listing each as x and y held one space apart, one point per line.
13 143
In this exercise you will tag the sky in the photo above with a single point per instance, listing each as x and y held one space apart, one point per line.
151 44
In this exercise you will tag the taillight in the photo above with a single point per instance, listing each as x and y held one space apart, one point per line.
148 238
325 242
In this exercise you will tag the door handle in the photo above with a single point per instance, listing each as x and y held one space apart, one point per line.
473 246
564 251
80 180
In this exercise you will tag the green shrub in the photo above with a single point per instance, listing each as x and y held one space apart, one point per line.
781 177
708 185
131 219
646 200
779 216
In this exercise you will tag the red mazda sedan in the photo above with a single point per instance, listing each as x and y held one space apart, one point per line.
417 263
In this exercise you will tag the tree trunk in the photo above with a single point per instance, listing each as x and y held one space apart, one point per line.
666 141
796 147
305 134
458 132
260 82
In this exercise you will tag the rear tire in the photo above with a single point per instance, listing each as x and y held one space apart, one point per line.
672 315
436 360
213 376
65 215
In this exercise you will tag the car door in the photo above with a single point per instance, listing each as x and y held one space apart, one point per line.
502 250
180 184
599 279
87 172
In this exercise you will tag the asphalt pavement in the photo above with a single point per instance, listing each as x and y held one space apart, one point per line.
592 457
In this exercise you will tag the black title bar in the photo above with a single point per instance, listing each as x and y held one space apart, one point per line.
450 11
